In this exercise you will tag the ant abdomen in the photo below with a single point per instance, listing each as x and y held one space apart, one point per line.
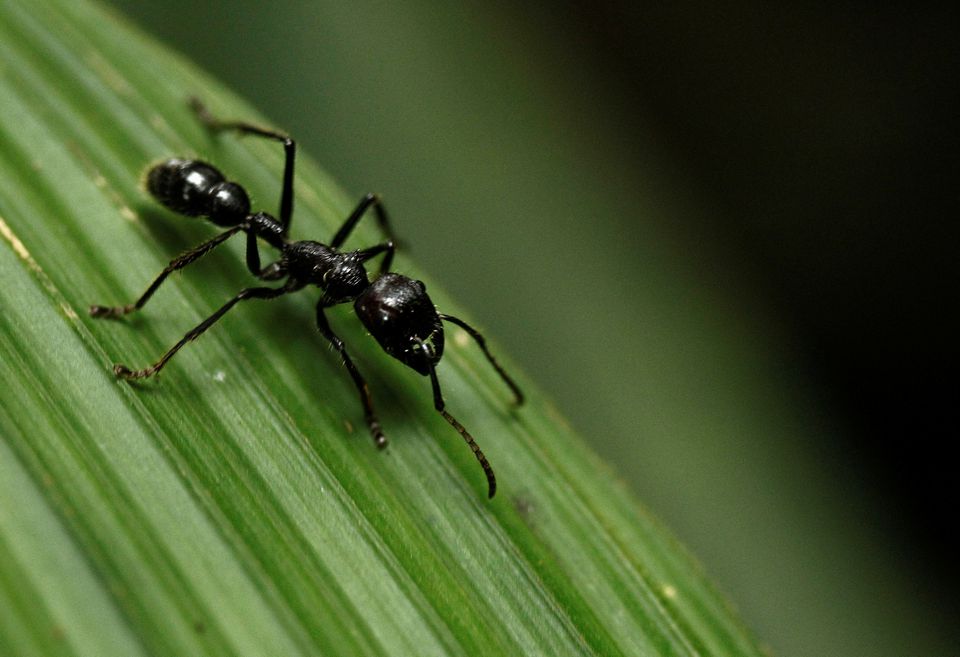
183 185
197 189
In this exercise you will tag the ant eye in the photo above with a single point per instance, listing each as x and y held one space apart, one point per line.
423 286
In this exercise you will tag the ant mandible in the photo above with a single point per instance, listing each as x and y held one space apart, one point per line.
394 308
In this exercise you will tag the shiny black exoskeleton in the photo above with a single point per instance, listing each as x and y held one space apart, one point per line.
394 308
399 314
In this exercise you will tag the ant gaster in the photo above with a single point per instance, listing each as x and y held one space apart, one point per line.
394 308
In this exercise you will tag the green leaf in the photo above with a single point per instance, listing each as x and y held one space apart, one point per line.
236 505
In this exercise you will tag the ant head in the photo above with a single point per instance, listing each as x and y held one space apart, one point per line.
399 314
344 278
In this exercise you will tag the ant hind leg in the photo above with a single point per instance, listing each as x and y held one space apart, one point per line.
244 128
194 333
176 264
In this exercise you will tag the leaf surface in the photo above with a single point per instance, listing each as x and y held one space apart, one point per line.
236 505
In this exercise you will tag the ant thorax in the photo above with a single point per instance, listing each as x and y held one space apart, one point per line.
341 276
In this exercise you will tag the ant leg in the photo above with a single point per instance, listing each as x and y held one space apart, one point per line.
365 398
244 128
357 214
178 263
440 405
518 395
272 272
374 251
253 254
248 293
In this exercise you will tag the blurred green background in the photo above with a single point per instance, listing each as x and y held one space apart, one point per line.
713 234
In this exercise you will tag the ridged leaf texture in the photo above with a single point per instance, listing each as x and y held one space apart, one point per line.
236 505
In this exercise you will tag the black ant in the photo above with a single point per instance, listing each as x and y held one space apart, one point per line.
394 308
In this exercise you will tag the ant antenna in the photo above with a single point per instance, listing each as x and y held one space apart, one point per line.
514 388
439 404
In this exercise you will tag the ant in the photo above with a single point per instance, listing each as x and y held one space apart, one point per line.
395 309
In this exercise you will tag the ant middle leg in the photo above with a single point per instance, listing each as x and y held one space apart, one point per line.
366 202
374 251
373 422
244 128
248 293
176 264
514 388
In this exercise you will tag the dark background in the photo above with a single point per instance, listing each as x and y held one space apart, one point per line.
723 238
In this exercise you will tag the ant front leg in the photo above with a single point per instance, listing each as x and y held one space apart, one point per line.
249 293
177 264
373 422
366 202
244 128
